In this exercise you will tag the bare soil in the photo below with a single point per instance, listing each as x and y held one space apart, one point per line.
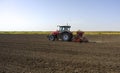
36 54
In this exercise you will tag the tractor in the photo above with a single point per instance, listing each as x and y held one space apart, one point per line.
64 34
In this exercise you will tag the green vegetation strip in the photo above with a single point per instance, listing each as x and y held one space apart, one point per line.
103 32
24 32
48 32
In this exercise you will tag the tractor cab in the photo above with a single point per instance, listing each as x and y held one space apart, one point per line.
64 28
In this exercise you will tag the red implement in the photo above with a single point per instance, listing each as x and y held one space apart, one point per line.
79 37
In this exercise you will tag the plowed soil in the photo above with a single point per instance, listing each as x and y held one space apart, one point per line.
36 54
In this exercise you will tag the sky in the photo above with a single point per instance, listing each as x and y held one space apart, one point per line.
45 15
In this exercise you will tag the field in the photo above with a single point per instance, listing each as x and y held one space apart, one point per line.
33 53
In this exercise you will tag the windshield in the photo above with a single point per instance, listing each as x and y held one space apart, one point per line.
64 28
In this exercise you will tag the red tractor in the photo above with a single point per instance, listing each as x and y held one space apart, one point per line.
65 34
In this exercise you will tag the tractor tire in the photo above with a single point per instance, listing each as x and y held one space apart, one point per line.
66 36
51 37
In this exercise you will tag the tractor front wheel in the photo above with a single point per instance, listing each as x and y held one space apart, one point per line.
51 37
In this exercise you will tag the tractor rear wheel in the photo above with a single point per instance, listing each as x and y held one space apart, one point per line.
66 37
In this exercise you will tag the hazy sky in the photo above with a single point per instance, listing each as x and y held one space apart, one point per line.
38 15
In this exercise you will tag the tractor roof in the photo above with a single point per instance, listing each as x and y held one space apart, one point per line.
65 26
